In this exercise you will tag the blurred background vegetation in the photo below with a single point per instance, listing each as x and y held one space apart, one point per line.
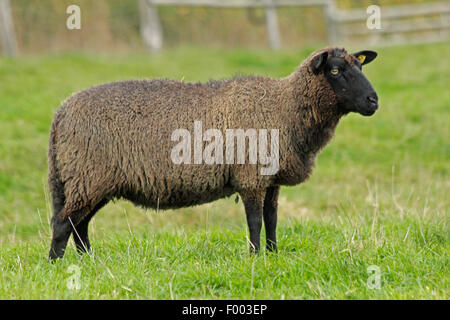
111 25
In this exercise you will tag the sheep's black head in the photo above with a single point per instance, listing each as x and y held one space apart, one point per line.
343 72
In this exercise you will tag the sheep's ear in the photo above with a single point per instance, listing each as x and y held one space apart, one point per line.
319 62
365 56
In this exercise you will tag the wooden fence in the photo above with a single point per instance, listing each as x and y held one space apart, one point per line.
269 5
342 25
419 23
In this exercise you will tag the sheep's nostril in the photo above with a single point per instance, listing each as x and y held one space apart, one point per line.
372 99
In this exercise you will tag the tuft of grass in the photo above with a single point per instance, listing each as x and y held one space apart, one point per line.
378 195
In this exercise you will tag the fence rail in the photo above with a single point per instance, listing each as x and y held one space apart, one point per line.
395 12
240 3
432 19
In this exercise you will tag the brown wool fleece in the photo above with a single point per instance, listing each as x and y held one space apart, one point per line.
114 140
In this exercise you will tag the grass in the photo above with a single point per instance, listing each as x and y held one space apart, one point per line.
378 195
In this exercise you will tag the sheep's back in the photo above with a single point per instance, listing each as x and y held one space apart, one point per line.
120 135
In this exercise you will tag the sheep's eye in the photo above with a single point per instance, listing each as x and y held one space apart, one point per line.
334 71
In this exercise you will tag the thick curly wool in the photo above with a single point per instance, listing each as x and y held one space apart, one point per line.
113 140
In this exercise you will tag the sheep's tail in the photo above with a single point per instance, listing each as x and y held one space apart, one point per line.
55 184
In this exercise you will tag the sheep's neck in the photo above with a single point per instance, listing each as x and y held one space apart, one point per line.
319 112
315 117
313 136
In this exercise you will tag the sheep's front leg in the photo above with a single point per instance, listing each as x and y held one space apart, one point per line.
253 203
270 217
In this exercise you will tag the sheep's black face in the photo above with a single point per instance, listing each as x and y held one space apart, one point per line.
345 76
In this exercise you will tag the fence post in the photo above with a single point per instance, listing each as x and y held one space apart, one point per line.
272 25
444 20
6 29
332 31
151 30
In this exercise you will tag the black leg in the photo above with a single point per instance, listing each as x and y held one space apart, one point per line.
80 236
61 227
61 233
80 233
270 217
254 210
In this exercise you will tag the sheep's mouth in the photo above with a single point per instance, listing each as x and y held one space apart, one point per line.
365 108
368 110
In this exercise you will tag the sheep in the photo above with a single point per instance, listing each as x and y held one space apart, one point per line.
116 140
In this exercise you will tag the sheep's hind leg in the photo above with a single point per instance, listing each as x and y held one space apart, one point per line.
253 203
80 233
61 233
61 227
270 217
